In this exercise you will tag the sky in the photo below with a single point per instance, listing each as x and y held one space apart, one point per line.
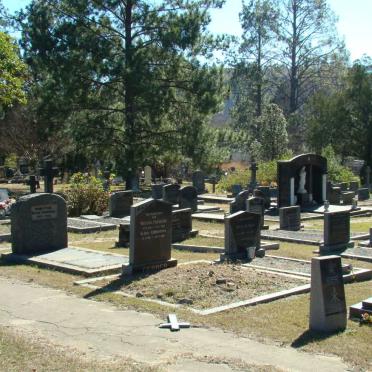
354 24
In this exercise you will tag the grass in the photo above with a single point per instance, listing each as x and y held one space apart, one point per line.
356 225
21 353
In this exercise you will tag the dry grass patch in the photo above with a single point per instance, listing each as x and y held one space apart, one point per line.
203 285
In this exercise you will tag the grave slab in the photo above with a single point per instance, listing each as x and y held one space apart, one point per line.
215 199
83 226
358 253
74 260
215 217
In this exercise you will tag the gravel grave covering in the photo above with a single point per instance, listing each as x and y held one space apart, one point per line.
359 251
203 285
282 264
81 223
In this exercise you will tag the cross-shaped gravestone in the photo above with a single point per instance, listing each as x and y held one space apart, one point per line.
32 183
48 172
173 324
253 168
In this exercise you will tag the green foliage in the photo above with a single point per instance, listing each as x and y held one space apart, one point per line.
238 177
267 173
85 195
11 161
13 72
336 171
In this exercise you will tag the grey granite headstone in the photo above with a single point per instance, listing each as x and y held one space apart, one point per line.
157 190
336 232
327 297
290 218
239 204
198 181
171 193
256 205
181 224
150 236
242 232
188 198
38 224
120 203
363 194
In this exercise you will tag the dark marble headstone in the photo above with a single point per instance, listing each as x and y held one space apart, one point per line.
256 205
327 297
198 181
363 194
334 195
236 189
336 232
290 218
239 204
150 236
347 197
353 185
242 232
120 203
171 193
266 194
181 224
157 190
38 224
188 198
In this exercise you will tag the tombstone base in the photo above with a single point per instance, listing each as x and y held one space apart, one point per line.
155 266
243 256
331 249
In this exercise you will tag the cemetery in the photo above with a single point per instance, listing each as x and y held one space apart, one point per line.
162 209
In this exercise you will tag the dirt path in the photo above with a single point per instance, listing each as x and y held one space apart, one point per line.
102 330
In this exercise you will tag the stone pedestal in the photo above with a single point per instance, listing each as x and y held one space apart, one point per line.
327 297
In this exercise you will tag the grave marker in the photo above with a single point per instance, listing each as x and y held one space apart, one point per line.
181 224
327 297
198 181
239 204
242 235
157 190
120 203
38 224
257 205
48 172
363 194
150 236
148 175
290 218
188 198
336 232
171 193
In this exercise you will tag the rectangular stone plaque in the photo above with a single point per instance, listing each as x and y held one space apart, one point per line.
43 212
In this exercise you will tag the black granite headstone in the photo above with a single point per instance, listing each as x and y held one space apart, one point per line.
171 193
120 203
257 205
188 198
290 218
157 190
363 194
181 224
198 181
239 203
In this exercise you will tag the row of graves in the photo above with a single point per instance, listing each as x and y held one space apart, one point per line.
39 226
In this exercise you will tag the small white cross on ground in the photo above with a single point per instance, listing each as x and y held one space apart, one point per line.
173 324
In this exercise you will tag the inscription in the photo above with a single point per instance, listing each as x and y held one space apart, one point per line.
43 212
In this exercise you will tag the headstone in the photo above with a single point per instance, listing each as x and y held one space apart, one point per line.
256 205
124 235
336 232
266 195
242 235
120 203
198 181
334 195
347 197
106 182
150 236
32 182
148 175
38 224
368 177
363 194
239 204
157 190
171 193
181 224
253 183
188 198
353 185
302 180
135 184
344 186
290 218
236 189
48 172
327 297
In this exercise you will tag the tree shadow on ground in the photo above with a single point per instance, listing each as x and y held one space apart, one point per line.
310 336
118 283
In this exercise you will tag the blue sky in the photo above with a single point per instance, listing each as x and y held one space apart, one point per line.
354 25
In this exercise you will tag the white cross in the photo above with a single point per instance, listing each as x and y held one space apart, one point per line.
173 324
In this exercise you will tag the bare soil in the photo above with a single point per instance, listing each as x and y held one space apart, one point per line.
203 285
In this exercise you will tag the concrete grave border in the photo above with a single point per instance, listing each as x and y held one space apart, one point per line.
100 226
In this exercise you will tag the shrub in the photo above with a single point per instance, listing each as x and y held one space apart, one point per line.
336 171
85 196
267 173
238 177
